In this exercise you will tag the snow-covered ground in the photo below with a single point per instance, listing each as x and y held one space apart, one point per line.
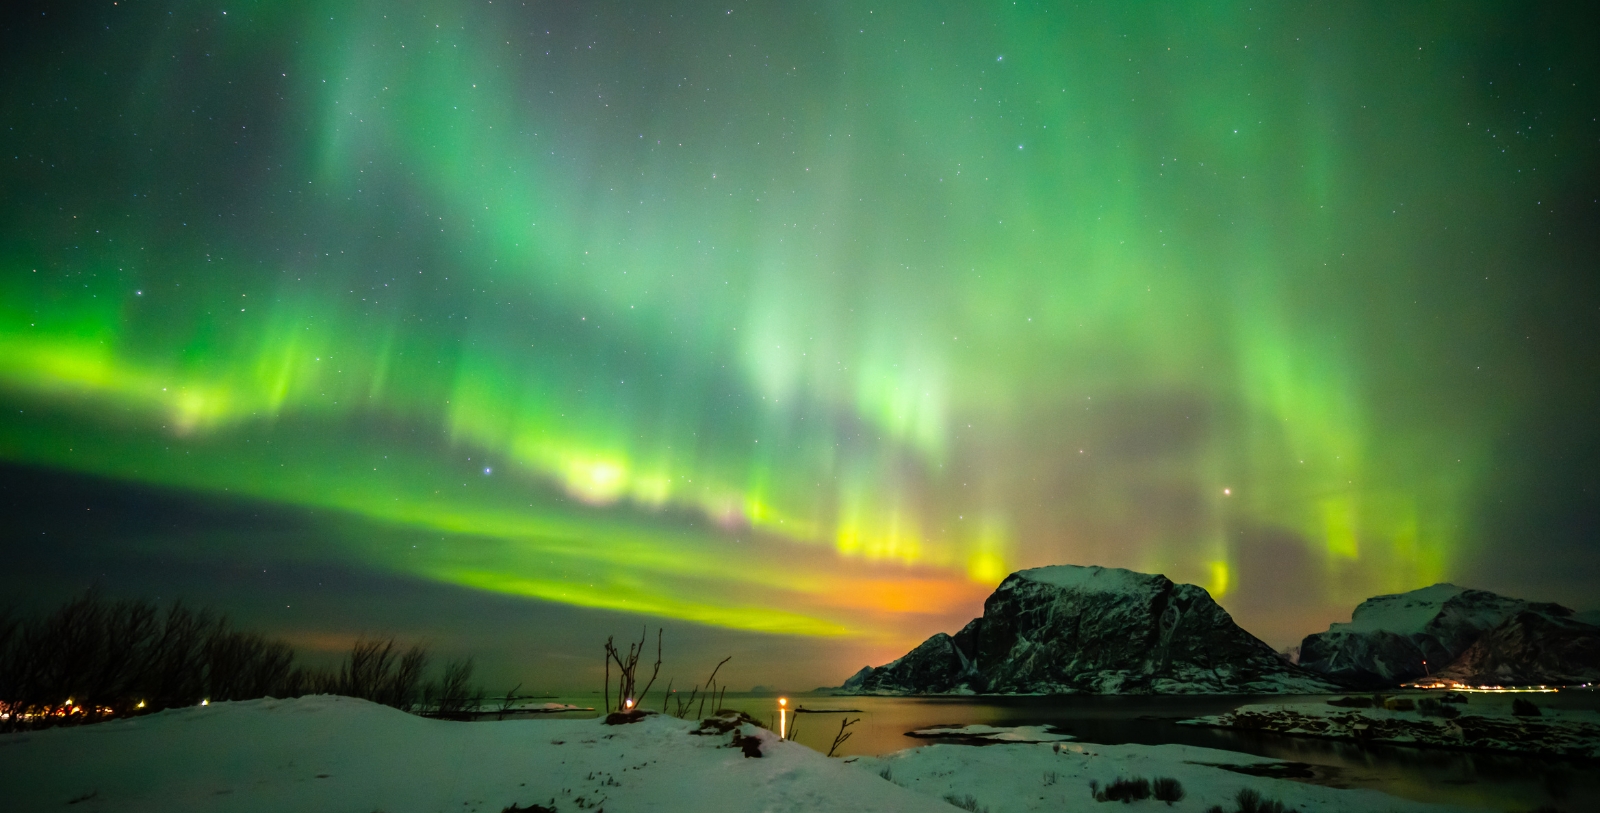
1486 723
338 754
1057 776
1091 579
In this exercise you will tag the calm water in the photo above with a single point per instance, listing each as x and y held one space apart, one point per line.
1494 782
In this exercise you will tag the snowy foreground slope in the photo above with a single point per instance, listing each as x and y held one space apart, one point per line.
338 754
329 753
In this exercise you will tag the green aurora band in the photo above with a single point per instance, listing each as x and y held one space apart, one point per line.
795 318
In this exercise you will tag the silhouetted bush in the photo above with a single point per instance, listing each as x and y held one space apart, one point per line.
967 802
1124 790
375 669
453 698
94 658
1166 789
1249 801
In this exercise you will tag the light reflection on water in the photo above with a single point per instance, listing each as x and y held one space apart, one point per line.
1491 781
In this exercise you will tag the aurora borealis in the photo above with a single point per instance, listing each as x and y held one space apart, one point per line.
813 321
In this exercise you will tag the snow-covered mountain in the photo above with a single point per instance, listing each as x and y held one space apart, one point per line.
1402 637
1531 648
1069 629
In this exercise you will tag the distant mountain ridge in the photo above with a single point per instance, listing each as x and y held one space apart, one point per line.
1456 633
1091 630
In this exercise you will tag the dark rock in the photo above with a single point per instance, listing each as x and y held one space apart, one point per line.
750 746
626 717
1068 629
725 721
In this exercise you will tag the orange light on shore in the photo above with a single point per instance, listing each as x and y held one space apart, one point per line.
783 718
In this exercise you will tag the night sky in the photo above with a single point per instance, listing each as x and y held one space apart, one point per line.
791 327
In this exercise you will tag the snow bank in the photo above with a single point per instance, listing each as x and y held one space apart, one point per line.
1056 777
338 754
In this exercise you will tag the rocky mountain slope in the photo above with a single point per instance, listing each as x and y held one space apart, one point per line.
1406 636
1530 648
1069 629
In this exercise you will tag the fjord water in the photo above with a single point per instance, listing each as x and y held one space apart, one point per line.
1489 781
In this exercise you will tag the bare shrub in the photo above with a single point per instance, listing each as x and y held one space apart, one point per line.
1124 790
94 657
1166 789
843 735
713 690
967 802
627 669
507 702
453 697
243 665
376 670
1249 801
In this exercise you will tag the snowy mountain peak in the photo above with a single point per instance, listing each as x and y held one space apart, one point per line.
1093 578
1404 613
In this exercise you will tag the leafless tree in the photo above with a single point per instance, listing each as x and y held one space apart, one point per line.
843 735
